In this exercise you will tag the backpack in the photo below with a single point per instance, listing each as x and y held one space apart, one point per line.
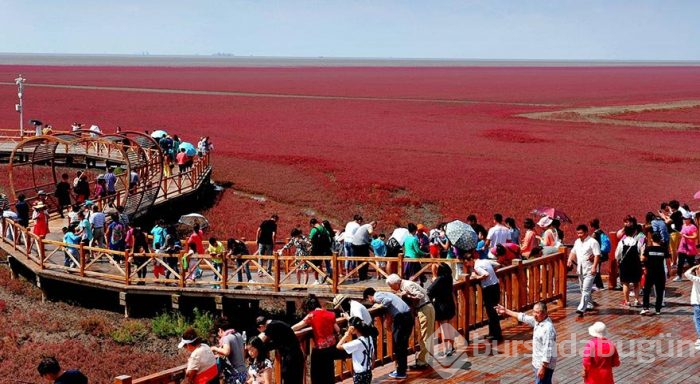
393 248
117 233
320 242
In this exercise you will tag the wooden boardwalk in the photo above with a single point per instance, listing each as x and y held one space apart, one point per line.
653 349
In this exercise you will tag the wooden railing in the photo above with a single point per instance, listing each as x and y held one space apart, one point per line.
522 285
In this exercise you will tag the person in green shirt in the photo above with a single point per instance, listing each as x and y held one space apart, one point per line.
216 250
411 250
321 242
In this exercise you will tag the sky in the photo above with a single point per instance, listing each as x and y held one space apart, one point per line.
478 29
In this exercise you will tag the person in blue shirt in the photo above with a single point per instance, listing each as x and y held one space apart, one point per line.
481 247
378 245
50 370
158 233
69 237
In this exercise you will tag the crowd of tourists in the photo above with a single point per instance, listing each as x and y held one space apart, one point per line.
647 254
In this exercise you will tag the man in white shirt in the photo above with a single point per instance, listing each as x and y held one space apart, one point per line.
498 234
544 340
586 254
351 308
348 235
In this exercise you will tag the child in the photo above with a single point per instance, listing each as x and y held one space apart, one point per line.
361 349
693 274
481 248
302 246
188 264
379 248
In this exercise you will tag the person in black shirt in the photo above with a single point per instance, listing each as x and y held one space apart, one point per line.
63 193
22 209
674 220
50 370
280 336
654 258
265 238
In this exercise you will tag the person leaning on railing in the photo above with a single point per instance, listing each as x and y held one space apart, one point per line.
413 293
398 318
324 328
280 336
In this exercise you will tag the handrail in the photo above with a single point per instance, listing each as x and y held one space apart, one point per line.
522 285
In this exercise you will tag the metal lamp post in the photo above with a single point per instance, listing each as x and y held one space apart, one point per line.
19 107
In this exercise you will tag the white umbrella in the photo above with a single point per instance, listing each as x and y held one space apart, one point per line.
158 134
461 235
400 235
194 218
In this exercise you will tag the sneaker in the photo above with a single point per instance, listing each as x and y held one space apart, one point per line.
452 352
396 375
657 313
589 306
252 281
645 312
677 279
625 303
315 283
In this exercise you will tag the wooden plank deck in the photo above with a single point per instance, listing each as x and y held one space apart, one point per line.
650 347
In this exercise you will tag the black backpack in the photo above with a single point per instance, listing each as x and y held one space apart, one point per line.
393 248
320 242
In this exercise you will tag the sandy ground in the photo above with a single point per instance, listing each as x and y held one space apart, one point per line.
599 115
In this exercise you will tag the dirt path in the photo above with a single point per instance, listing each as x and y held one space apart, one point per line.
279 95
600 115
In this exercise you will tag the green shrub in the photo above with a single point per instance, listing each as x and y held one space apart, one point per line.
171 324
129 332
203 323
168 324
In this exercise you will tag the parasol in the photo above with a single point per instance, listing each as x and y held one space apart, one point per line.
194 218
190 150
158 134
461 235
553 213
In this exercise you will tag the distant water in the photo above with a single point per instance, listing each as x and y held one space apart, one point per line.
258 61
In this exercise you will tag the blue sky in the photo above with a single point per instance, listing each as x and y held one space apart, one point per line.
537 29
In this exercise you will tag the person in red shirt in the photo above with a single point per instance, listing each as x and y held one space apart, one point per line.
182 159
506 253
599 357
196 237
324 328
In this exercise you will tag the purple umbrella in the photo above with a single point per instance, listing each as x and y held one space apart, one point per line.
552 213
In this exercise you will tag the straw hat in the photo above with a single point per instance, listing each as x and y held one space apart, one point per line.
598 329
39 205
338 300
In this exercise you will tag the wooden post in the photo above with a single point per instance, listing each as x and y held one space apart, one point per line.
127 267
521 282
224 272
82 259
123 379
612 275
183 272
399 267
335 274
4 229
276 265
42 253
563 271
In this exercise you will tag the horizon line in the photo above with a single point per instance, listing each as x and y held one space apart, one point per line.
226 59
